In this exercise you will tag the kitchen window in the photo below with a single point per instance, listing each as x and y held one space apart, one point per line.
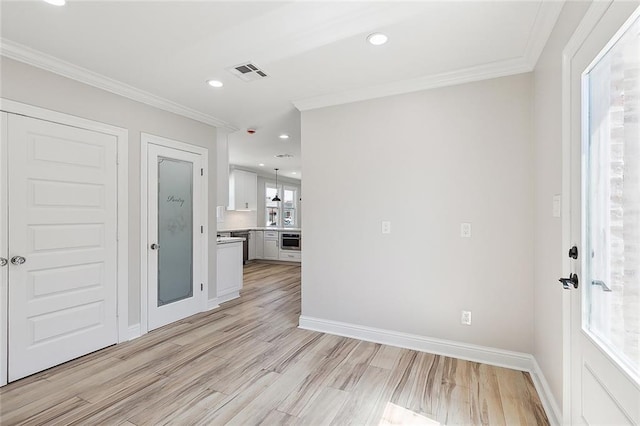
283 213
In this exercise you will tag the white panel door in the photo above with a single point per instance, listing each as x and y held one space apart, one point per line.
62 202
605 220
175 235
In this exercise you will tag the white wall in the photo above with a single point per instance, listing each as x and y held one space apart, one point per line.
547 79
426 161
34 86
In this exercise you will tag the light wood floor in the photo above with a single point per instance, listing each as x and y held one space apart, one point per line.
248 363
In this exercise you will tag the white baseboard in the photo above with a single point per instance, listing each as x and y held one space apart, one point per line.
228 296
213 304
516 360
134 331
486 355
551 407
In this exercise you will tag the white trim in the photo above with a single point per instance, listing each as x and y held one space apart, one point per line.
549 403
545 20
4 250
589 21
229 296
27 55
486 355
122 136
492 356
212 304
145 140
144 252
134 331
467 75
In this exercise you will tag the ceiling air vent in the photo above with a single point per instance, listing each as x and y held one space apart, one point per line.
247 72
283 156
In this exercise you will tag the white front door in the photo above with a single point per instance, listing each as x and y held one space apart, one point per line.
605 218
62 250
175 235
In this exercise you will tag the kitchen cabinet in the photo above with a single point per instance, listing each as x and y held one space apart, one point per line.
243 190
291 255
271 245
229 271
259 241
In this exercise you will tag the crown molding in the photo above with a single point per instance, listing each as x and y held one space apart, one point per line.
467 75
545 20
27 55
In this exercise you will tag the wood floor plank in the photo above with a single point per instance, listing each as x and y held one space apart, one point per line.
363 398
325 407
485 398
247 362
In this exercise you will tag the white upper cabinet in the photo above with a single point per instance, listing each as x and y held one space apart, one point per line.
243 187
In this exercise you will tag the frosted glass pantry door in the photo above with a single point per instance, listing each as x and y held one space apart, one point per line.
174 206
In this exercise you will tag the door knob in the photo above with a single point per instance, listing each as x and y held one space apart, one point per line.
3 261
18 260
572 281
155 246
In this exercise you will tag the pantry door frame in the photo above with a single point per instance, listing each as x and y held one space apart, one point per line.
122 136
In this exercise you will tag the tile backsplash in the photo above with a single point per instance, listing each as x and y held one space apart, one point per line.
237 220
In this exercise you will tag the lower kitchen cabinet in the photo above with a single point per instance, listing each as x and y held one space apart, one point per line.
291 256
271 250
259 241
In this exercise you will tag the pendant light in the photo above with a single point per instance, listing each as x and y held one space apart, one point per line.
276 198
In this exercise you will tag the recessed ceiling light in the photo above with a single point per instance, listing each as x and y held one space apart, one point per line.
56 2
261 164
293 173
284 136
377 39
214 83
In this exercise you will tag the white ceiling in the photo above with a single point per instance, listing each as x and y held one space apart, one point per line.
315 54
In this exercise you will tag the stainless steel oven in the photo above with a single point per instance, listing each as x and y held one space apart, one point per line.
290 241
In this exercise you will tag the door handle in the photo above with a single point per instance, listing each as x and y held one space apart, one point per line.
18 260
3 261
154 246
602 284
572 281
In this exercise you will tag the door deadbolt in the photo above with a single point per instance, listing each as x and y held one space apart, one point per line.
155 246
573 252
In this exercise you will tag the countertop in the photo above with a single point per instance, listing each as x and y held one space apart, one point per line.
229 240
262 228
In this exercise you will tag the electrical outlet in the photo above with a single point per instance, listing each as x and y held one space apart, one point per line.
465 318
465 230
386 227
